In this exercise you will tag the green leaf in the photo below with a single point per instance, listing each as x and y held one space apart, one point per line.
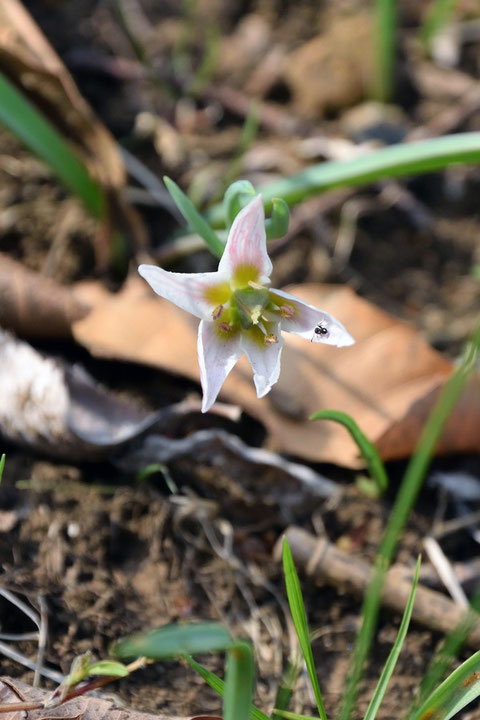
173 640
40 136
385 48
392 161
299 617
2 465
239 679
218 685
287 685
389 667
438 15
375 465
108 667
293 716
194 219
277 224
236 197
457 691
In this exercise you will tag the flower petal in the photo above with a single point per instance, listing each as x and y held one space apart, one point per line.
216 357
197 293
264 359
306 318
246 249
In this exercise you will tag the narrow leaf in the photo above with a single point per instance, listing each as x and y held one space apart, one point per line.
173 640
194 219
108 667
299 617
2 465
389 667
218 685
392 161
239 679
24 121
375 465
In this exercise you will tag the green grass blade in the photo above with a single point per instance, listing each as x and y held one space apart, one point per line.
459 689
293 716
287 685
218 685
389 667
239 680
2 465
172 640
404 501
40 136
299 617
393 161
385 47
438 15
443 658
369 452
194 219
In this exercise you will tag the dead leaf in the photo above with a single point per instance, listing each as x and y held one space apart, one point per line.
82 708
32 64
387 381
35 306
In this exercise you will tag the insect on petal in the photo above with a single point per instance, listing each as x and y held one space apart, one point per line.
245 256
217 354
197 293
306 318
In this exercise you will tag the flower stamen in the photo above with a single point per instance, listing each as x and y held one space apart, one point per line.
217 312
270 339
287 311
225 327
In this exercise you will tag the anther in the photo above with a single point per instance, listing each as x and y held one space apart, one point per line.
287 311
270 339
225 327
217 312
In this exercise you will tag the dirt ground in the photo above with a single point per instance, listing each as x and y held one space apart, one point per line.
110 555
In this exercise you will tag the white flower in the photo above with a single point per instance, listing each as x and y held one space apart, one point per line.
239 313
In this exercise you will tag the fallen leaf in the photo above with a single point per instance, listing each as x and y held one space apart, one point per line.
82 708
33 65
33 305
387 381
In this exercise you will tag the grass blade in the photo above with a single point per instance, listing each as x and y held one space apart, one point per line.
287 685
385 42
299 617
239 679
2 465
40 136
194 219
389 667
172 640
459 689
404 501
218 685
439 14
393 161
375 466
293 716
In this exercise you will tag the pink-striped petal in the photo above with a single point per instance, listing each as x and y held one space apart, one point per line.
245 256
197 293
264 359
305 318
217 354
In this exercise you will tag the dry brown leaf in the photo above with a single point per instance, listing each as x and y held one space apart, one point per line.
33 305
82 708
32 64
387 381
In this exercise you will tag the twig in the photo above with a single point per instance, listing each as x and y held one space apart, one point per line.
445 571
30 664
42 639
320 558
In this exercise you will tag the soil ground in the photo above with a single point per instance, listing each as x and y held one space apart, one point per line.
111 556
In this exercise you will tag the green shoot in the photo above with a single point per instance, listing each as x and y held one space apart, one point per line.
385 42
287 685
404 501
218 685
40 136
389 667
369 452
299 617
393 161
193 217
239 682
438 16
2 465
